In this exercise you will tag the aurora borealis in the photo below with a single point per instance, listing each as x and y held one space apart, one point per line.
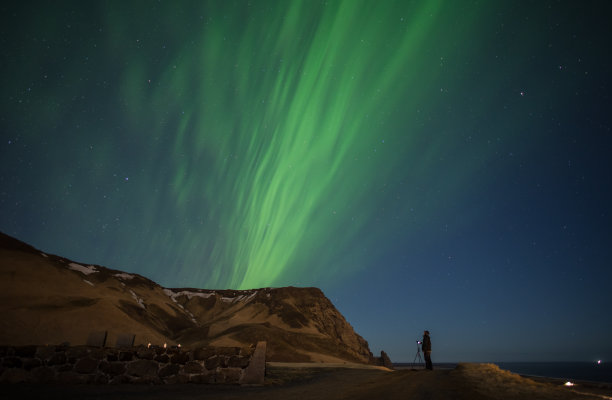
428 164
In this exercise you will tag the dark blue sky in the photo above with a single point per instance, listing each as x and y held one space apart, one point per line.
429 166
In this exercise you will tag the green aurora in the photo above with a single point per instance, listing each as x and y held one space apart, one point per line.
276 122
260 137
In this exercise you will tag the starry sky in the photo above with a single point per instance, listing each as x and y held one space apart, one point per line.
441 165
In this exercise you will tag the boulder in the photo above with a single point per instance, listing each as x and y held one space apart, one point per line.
112 368
45 352
178 378
238 362
76 353
97 354
203 353
193 367
12 362
142 368
42 375
162 358
229 375
13 375
86 365
144 353
213 362
25 351
31 363
71 378
167 370
202 378
126 356
57 359
118 380
179 358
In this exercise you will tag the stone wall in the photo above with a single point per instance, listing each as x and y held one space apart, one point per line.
85 364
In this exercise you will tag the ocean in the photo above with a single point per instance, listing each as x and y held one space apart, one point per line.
571 371
580 371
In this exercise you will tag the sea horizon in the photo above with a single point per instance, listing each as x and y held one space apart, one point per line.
567 370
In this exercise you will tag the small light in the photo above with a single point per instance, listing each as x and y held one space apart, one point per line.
149 345
598 362
568 383
164 345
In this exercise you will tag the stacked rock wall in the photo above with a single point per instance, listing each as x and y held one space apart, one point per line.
83 364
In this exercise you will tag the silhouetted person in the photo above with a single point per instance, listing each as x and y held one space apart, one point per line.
426 346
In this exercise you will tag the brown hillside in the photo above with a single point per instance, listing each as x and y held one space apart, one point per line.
46 299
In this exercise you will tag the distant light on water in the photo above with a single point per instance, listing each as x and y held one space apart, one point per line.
568 383
598 362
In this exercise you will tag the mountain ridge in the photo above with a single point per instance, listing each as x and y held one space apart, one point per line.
48 299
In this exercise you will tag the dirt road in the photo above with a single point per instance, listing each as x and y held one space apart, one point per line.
474 382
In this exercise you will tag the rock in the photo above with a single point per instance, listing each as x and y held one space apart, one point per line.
76 353
144 353
213 362
203 353
64 368
100 379
12 362
25 351
238 362
119 379
112 368
86 365
63 346
45 352
151 380
97 354
126 356
231 375
167 370
202 378
71 378
13 375
42 375
227 351
142 368
178 378
193 367
162 358
31 363
179 358
57 359
385 360
247 351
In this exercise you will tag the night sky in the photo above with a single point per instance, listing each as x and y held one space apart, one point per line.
441 165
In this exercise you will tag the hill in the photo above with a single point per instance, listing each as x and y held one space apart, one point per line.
48 299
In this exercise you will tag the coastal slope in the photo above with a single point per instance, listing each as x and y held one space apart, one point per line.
48 299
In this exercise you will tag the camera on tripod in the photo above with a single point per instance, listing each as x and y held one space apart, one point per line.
418 354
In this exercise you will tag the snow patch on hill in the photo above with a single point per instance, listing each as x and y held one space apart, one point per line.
90 269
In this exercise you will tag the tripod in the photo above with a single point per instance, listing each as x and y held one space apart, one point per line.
417 355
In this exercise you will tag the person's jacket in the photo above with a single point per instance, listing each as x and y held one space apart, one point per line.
426 343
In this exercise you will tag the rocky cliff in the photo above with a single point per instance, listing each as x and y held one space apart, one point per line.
47 299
